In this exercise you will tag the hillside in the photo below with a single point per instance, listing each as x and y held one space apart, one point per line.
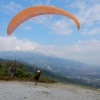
14 70
49 75
59 68
27 69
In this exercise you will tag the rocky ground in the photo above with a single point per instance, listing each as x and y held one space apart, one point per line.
13 90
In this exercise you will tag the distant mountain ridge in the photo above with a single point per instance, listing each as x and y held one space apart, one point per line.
54 64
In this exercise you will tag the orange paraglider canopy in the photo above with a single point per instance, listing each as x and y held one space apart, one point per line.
35 11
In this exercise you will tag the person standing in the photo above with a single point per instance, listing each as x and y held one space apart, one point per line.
37 76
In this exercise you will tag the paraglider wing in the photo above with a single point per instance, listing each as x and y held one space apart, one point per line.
33 11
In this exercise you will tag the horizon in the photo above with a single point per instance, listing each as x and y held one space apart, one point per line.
12 55
54 34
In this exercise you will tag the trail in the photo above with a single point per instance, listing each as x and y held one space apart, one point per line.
13 90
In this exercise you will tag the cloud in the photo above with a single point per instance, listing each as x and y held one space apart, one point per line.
27 28
61 27
91 31
58 26
85 51
42 19
10 8
13 44
87 11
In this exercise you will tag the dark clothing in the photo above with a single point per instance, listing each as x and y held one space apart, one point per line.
37 76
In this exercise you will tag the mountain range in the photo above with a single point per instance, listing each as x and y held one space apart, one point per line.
63 67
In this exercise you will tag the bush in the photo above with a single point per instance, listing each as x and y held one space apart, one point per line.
20 73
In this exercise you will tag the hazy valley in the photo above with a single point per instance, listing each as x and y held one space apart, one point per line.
88 74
